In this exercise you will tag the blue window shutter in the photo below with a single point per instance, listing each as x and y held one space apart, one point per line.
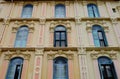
93 10
60 11
90 11
11 71
27 11
96 39
96 12
21 37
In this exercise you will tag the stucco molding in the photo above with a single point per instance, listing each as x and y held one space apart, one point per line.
42 21
103 24
18 24
18 53
60 53
96 54
10 53
66 24
39 51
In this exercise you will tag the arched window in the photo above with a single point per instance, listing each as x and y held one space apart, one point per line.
60 68
21 36
93 10
99 36
15 68
60 11
106 68
60 36
27 11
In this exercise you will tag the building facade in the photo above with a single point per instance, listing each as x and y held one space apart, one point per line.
72 39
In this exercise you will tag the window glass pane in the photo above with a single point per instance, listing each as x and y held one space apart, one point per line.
109 71
57 35
96 39
62 43
21 37
59 11
27 11
63 36
100 35
60 28
57 43
92 10
60 70
102 43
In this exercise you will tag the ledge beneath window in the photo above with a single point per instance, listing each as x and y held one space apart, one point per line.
100 18
24 19
58 0
60 19
102 48
60 48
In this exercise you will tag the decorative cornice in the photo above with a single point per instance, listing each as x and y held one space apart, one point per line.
60 48
90 23
96 54
65 23
67 54
17 53
62 19
18 24
39 51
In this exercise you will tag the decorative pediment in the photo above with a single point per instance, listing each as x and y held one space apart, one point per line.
18 24
10 53
66 24
102 23
67 54
96 54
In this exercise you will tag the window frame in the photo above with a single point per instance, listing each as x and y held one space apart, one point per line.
106 62
13 64
97 41
21 42
60 14
26 14
60 40
64 62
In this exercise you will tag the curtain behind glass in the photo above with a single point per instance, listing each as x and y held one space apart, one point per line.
21 37
27 11
60 11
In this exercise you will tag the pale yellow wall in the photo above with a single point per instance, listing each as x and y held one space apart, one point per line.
78 25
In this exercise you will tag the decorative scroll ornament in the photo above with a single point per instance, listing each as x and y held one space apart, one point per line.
96 54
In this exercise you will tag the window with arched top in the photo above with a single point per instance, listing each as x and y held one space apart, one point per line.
60 68
27 11
21 37
93 10
99 36
15 68
60 36
60 11
106 67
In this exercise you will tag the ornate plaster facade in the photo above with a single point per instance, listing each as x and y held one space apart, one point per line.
40 52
